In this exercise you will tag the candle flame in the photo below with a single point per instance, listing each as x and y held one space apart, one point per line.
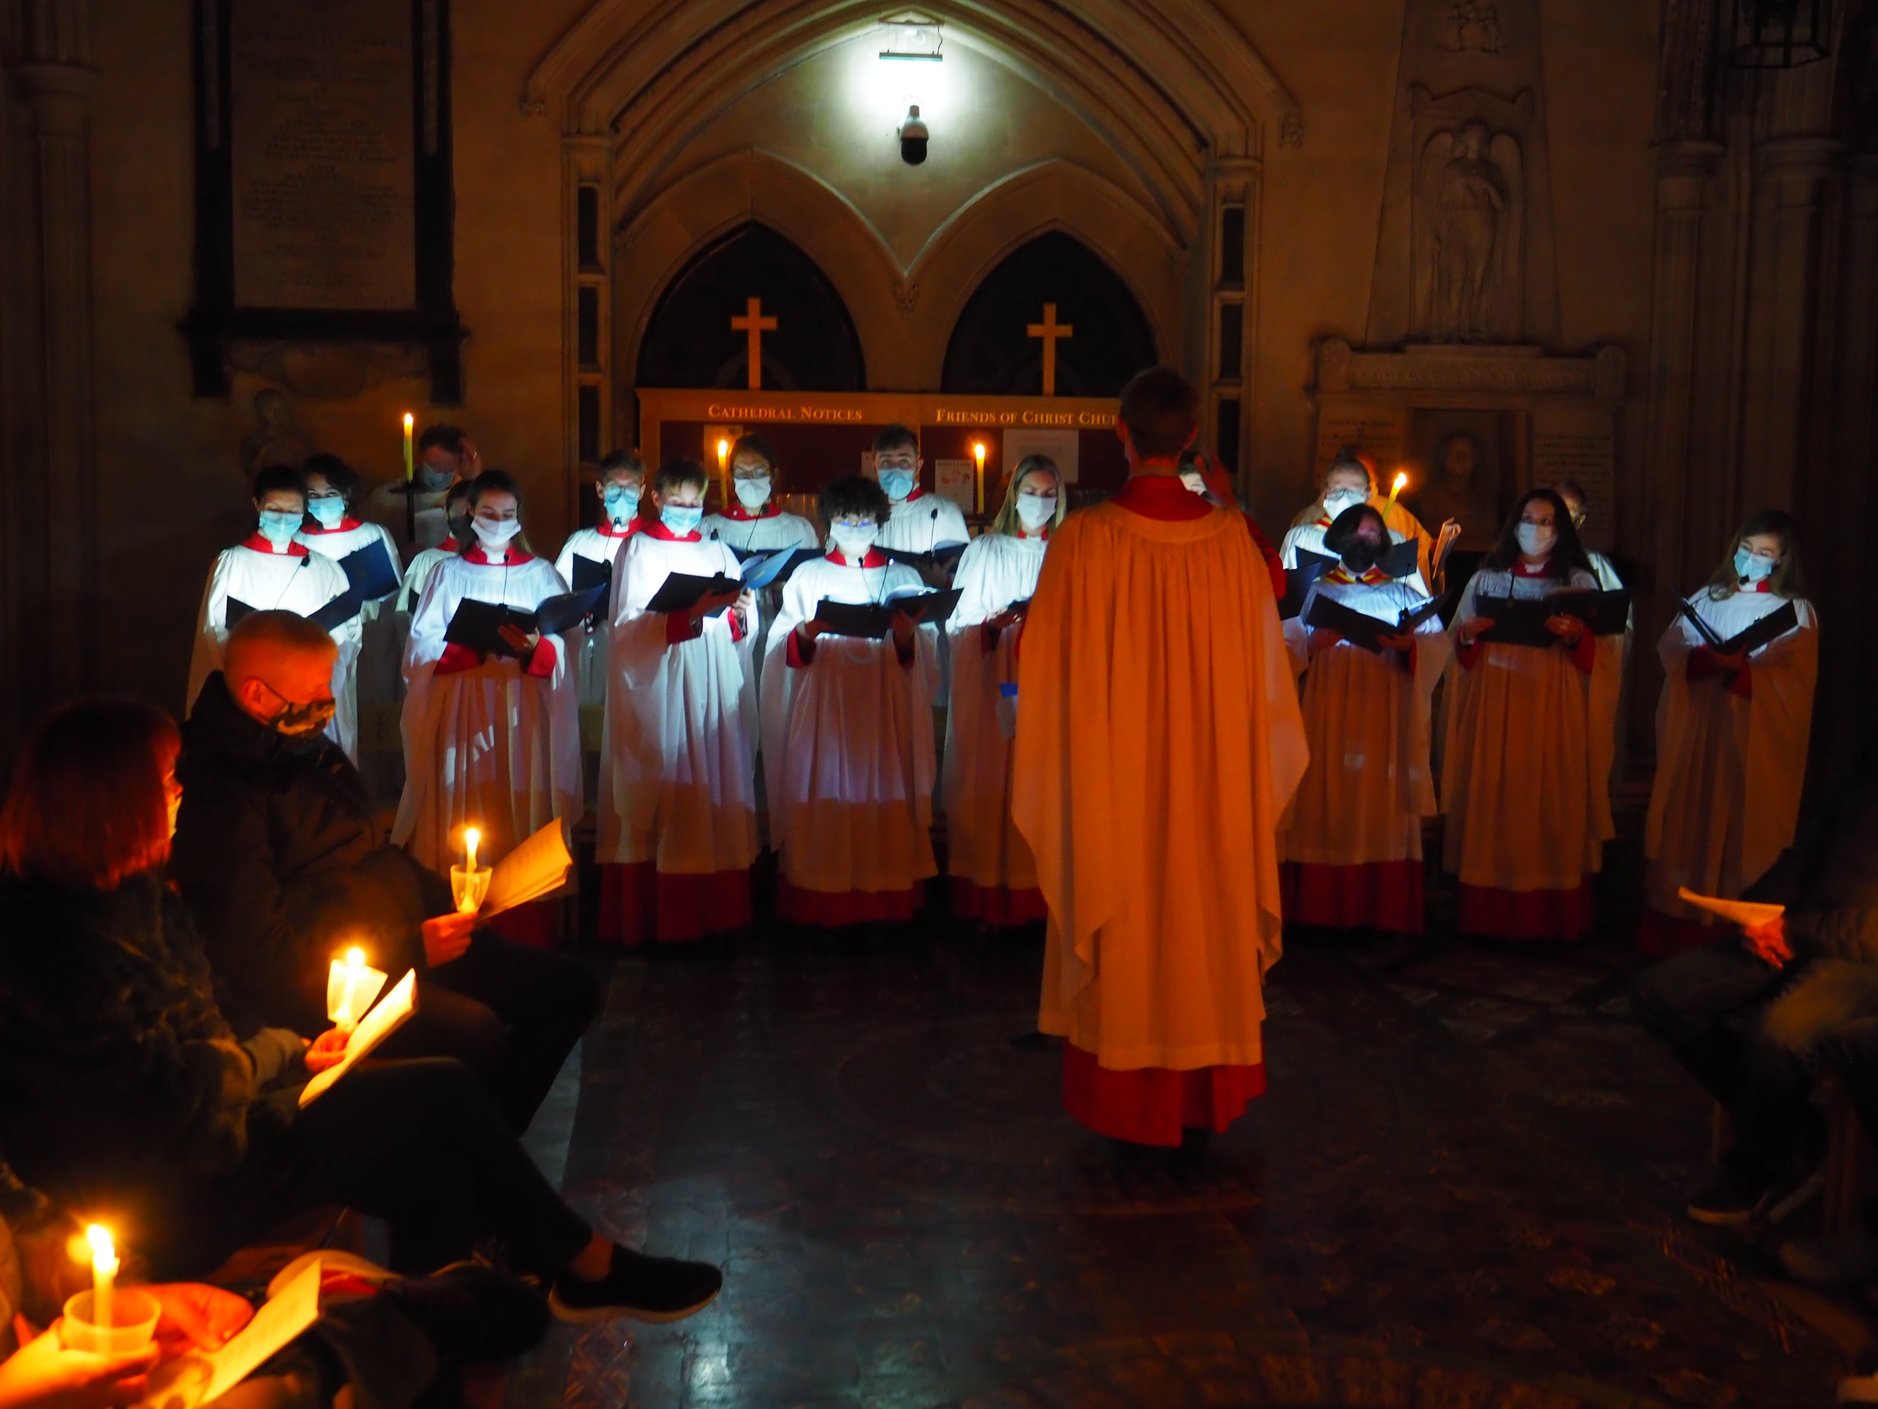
1401 482
409 420
355 958
103 1251
471 839
723 449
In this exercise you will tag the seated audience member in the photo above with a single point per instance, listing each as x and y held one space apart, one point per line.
390 1339
1749 1013
283 862
125 1092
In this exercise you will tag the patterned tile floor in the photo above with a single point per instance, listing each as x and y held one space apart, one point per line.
1461 1191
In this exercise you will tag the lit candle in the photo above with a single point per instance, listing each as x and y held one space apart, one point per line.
978 454
470 837
348 1013
410 464
103 1273
1401 482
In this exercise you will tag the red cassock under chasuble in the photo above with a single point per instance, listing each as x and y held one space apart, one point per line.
1159 742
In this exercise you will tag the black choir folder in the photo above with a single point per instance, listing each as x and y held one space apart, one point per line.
370 573
1361 629
875 619
1768 629
590 573
683 590
478 625
335 613
1521 621
763 568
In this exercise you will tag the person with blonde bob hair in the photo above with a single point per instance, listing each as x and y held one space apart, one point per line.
994 876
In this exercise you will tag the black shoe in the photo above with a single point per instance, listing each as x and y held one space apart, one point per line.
645 1288
1728 1200
472 1314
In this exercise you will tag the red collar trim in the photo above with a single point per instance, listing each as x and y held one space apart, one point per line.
874 559
633 525
345 525
1156 496
261 545
1520 568
770 510
450 545
1042 534
655 529
1374 577
480 559
1766 584
917 493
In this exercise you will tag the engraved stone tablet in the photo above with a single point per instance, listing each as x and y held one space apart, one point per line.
324 154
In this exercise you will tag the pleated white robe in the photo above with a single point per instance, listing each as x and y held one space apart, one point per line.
677 776
1527 811
994 876
372 664
1728 769
293 579
747 533
488 746
922 522
1354 840
848 753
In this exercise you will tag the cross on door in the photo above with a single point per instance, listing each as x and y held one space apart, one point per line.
755 324
1049 330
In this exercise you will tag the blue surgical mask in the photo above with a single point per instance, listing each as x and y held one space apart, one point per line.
278 526
681 518
621 501
1752 567
854 541
1535 539
329 512
897 484
753 494
434 481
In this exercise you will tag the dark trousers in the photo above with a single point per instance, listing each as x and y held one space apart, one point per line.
417 1143
1752 1036
509 1014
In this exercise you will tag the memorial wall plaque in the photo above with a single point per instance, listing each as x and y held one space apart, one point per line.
1377 431
324 166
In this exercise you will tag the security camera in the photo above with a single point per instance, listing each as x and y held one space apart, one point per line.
913 138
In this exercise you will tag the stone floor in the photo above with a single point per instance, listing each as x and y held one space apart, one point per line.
1461 1191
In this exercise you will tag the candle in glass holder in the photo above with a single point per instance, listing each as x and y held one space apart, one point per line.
104 1320
469 883
103 1272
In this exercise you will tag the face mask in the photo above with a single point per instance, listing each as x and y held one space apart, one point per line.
495 532
1535 539
298 721
897 483
753 494
1338 500
1035 510
278 526
1752 567
434 480
328 512
681 518
1361 555
854 542
621 501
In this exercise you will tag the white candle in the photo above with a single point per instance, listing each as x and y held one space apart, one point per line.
354 968
978 454
103 1273
1401 483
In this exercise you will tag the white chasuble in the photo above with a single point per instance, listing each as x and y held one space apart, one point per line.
488 742
678 773
1159 743
1730 754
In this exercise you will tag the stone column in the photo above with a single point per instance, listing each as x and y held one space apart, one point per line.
1792 173
56 82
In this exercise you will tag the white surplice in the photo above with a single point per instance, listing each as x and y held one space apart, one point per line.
590 666
983 846
488 746
1368 785
292 579
678 773
371 663
1526 809
1728 770
848 750
922 522
767 532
